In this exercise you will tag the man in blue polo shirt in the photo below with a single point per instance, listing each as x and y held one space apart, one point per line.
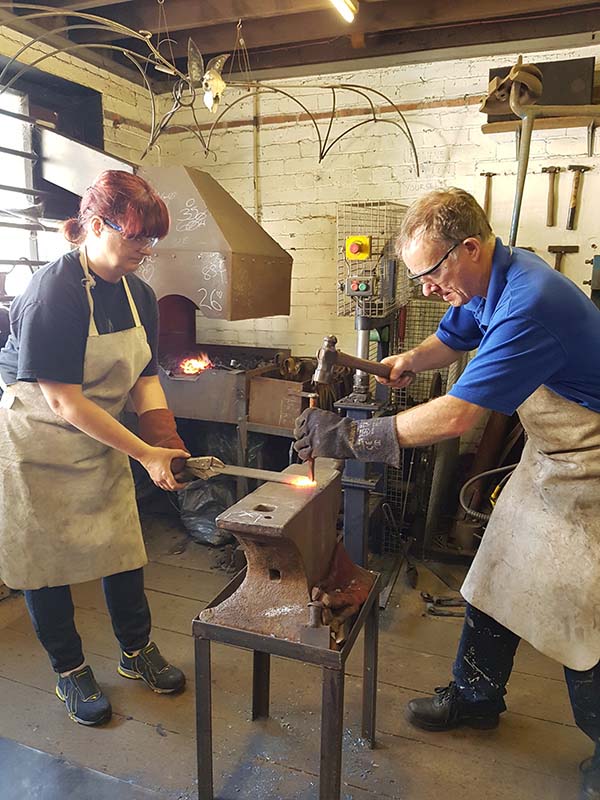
536 575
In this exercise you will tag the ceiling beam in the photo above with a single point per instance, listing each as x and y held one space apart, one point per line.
373 18
184 15
308 55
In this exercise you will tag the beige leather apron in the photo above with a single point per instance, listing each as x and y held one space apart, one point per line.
67 502
537 571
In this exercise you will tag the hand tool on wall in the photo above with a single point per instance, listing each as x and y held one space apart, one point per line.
329 356
577 170
559 251
487 202
550 215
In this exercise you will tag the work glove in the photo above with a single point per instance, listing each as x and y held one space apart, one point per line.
321 433
158 428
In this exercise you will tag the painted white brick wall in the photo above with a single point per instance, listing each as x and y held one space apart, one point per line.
298 195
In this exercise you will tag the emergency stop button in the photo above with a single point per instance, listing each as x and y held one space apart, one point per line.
358 247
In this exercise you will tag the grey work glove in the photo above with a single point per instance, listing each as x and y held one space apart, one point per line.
325 434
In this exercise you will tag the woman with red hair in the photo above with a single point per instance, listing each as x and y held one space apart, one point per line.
83 340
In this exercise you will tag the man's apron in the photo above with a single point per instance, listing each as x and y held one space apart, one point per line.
67 502
537 570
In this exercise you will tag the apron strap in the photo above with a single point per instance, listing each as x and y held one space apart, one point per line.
132 305
88 281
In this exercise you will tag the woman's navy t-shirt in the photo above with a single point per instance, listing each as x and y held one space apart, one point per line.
49 322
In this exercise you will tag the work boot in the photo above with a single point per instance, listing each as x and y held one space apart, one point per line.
83 697
590 777
153 669
447 710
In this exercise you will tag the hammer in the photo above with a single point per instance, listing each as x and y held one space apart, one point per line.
550 221
577 170
328 356
487 203
559 251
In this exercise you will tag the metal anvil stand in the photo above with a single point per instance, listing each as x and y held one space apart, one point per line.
289 526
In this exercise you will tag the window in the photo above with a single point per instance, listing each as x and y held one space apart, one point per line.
28 239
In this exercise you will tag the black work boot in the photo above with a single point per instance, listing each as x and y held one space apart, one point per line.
447 710
150 666
590 777
83 697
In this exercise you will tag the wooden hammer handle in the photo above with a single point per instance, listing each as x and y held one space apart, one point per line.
573 203
551 197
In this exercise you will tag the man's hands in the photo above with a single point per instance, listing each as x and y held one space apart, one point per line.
325 434
403 370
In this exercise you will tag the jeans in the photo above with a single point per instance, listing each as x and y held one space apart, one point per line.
485 660
52 613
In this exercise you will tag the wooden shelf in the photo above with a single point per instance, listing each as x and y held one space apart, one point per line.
541 123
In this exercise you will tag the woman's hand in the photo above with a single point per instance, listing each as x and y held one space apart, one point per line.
403 370
157 462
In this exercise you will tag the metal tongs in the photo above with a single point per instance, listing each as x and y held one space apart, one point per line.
205 467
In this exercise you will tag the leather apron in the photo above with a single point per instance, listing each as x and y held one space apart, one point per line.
537 570
67 502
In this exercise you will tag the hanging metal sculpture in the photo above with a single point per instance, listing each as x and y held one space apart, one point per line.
198 81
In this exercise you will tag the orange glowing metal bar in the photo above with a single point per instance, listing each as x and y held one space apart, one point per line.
302 480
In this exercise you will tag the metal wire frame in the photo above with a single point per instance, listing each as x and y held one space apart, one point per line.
184 83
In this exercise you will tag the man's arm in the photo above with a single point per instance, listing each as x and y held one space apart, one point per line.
430 354
442 418
147 394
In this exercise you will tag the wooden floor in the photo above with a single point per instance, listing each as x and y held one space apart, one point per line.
533 755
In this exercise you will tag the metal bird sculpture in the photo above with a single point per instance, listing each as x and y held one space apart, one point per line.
379 108
213 83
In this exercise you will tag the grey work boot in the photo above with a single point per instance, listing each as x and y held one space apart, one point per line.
590 777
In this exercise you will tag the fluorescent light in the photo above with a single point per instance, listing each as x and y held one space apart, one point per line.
347 8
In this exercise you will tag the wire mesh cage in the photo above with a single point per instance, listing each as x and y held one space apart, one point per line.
382 270
407 488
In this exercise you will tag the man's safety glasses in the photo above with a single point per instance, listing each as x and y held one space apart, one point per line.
415 276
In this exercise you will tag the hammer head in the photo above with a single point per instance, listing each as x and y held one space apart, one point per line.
551 169
563 248
326 360
578 168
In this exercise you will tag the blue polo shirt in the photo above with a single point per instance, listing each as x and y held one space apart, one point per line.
534 328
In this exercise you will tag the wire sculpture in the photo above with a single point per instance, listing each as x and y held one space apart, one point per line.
198 82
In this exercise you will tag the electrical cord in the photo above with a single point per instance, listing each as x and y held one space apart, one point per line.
479 515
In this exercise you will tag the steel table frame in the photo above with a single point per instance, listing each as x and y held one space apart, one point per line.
333 663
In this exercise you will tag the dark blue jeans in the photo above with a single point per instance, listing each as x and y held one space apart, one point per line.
485 660
53 616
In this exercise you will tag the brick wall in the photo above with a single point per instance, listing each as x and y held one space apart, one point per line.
297 196
121 99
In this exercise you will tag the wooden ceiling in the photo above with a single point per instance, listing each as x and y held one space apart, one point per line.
284 34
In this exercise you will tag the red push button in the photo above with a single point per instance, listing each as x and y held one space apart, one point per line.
355 248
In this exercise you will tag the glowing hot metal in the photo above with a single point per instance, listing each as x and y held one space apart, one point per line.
191 366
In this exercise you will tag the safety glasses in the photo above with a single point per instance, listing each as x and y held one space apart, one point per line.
144 241
415 276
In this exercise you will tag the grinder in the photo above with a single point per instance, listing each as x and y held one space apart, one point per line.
328 356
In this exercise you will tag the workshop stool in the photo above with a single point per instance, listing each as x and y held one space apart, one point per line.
332 705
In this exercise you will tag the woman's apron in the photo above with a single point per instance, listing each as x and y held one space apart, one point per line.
537 570
67 502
